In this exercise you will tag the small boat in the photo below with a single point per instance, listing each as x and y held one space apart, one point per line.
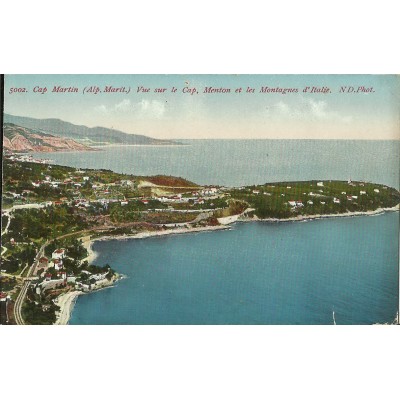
333 316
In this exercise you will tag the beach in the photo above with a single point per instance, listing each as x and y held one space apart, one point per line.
87 243
66 303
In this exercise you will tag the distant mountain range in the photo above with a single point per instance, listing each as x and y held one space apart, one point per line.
83 134
20 139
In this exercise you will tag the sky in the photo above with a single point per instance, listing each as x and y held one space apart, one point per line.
346 107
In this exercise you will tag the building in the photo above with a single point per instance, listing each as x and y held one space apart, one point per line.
58 254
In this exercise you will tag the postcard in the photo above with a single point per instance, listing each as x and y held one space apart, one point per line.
200 200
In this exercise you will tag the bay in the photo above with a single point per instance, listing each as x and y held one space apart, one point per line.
248 162
256 273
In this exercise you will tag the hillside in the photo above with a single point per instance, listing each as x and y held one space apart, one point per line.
81 133
17 138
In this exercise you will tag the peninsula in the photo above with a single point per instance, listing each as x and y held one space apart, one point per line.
51 214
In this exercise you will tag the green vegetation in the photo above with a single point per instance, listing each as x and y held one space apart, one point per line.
39 313
7 283
272 200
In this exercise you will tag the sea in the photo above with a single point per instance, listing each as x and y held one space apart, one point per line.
255 272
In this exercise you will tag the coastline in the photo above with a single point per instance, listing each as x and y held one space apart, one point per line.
148 234
300 218
67 300
87 241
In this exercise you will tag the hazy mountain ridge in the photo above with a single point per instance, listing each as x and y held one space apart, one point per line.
82 133
18 138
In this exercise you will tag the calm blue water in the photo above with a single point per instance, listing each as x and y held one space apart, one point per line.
247 162
256 273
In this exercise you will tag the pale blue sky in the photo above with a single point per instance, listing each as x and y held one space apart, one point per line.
235 115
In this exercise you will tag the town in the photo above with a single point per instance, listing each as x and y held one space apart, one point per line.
50 213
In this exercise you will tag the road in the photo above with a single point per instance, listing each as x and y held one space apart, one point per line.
30 276
18 303
8 224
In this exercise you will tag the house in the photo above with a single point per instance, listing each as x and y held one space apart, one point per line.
363 192
310 202
376 190
57 264
335 200
322 202
320 183
349 198
43 262
85 178
299 204
292 203
62 275
58 254
256 191
355 197
98 277
343 192
124 203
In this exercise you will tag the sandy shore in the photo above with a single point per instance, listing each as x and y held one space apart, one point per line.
66 303
88 243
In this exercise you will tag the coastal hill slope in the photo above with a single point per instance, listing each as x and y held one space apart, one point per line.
19 139
84 134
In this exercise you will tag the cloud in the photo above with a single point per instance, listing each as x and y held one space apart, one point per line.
151 108
125 105
306 108
101 109
142 109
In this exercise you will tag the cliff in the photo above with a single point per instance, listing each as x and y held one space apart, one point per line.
19 139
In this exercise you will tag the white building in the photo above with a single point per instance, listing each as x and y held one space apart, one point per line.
58 254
